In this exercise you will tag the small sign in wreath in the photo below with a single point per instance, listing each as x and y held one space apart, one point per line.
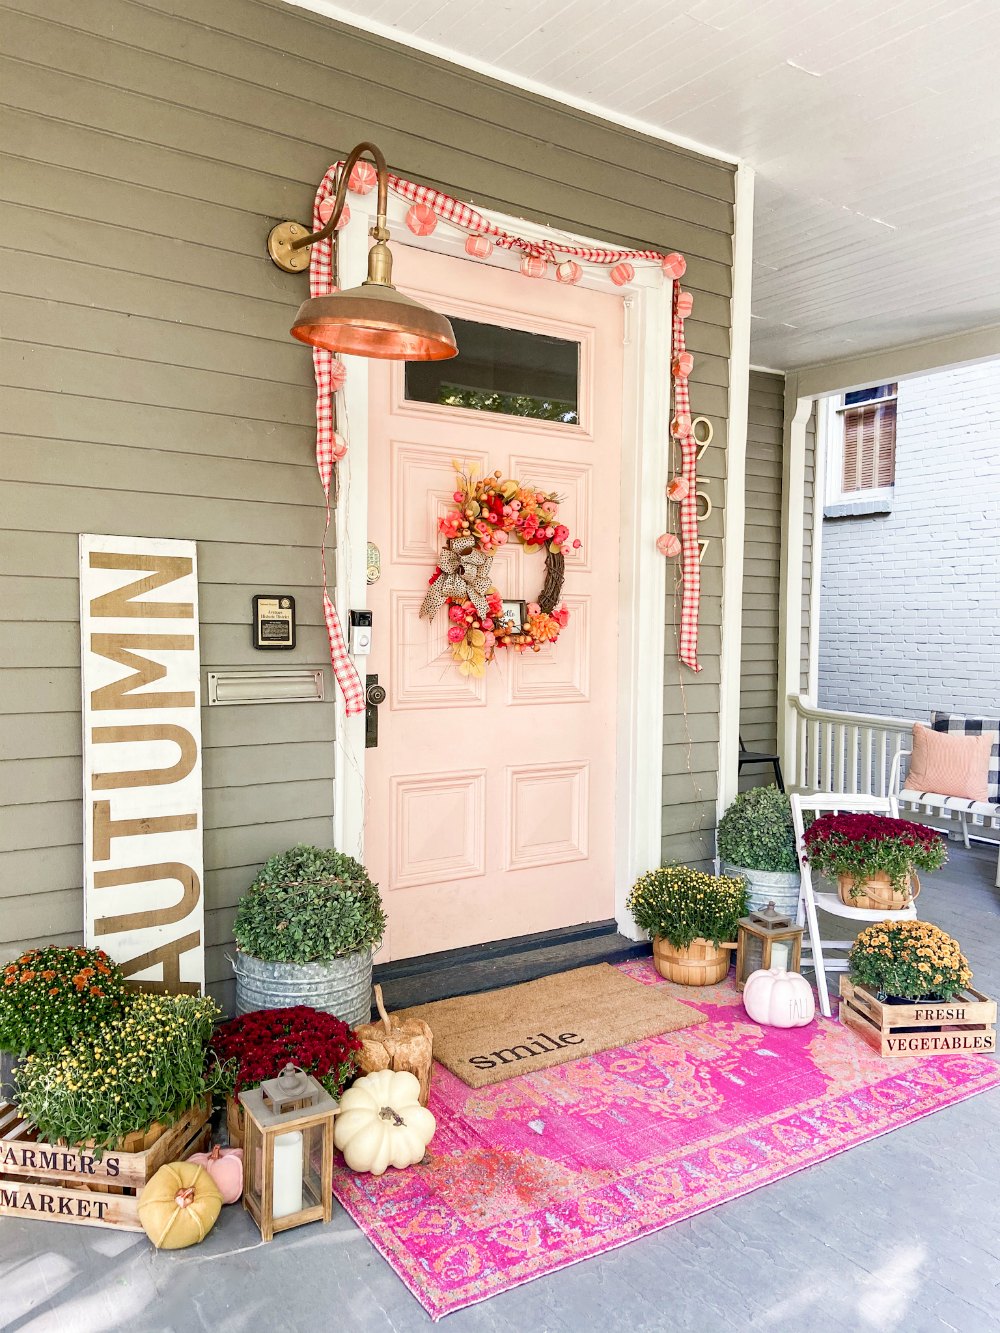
488 512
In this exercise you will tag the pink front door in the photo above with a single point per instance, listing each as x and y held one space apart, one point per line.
490 802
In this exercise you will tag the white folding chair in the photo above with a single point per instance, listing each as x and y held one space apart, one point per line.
825 803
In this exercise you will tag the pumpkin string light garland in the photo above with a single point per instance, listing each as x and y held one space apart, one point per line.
489 512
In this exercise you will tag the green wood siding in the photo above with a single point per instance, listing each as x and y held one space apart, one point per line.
761 564
150 386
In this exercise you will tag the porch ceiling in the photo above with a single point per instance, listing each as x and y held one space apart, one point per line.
873 130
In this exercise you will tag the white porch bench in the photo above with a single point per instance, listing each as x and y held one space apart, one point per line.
982 814
828 751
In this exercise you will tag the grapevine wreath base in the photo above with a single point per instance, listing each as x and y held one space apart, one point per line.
488 512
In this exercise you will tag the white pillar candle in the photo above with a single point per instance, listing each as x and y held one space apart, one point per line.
781 952
286 1194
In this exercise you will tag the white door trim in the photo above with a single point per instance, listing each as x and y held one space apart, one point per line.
646 459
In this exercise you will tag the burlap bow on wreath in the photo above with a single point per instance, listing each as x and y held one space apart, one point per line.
465 573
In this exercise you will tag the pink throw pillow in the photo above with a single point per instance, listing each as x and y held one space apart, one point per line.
949 764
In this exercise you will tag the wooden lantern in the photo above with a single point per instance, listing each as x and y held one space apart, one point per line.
767 939
288 1153
397 1044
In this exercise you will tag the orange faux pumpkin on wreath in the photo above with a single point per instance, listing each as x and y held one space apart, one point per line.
489 512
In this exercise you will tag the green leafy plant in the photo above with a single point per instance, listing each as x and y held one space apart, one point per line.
679 905
145 1064
863 845
910 960
309 905
756 832
49 996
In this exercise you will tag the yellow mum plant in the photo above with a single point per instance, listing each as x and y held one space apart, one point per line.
678 904
911 960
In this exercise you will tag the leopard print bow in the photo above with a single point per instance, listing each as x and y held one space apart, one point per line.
465 573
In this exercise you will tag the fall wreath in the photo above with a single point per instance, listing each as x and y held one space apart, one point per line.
488 512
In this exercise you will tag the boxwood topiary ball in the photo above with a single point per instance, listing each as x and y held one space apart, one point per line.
309 905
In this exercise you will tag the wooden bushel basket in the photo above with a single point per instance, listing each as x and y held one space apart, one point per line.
57 1183
876 894
700 964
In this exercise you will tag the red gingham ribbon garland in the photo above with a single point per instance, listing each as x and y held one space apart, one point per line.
320 282
690 551
464 216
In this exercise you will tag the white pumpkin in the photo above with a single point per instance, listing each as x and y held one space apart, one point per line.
778 998
381 1122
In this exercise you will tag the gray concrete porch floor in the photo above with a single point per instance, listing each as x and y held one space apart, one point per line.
902 1233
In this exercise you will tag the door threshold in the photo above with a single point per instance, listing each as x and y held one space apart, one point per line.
483 967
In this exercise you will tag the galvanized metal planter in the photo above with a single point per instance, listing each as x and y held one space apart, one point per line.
780 887
342 986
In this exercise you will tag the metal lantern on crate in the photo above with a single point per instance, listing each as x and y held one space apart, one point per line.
767 939
288 1152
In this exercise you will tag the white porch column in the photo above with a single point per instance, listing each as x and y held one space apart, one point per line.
793 481
735 507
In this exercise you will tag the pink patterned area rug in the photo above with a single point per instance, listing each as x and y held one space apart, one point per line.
531 1175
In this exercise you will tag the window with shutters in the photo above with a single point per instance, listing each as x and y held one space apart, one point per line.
869 423
862 459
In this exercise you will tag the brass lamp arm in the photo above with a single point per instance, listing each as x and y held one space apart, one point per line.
338 204
287 238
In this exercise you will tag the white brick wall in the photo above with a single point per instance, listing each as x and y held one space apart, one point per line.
910 601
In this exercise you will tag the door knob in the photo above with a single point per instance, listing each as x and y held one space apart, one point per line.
374 695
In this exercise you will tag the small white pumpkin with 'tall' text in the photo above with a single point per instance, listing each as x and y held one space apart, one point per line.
779 999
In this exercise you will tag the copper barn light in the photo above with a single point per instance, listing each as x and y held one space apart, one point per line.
374 319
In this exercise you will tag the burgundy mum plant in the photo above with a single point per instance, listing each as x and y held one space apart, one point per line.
257 1046
863 845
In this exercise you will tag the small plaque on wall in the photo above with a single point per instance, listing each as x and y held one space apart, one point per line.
273 620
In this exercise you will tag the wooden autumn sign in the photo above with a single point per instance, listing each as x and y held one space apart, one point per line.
142 758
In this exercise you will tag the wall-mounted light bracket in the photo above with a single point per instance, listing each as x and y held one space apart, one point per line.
279 247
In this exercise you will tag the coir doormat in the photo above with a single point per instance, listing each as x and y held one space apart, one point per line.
490 1037
562 1164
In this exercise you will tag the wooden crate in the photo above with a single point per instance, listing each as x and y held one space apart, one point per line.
235 1122
966 1023
61 1184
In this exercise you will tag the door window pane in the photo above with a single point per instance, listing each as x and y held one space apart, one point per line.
510 371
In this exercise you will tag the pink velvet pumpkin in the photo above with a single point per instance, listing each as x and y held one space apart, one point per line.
225 1166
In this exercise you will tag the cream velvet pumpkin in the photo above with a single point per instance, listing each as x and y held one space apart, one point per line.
179 1206
381 1122
778 998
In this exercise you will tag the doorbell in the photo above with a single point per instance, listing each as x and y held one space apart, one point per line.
360 634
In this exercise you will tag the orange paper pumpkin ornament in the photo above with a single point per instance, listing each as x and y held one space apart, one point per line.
325 211
363 178
479 247
532 266
421 219
668 544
